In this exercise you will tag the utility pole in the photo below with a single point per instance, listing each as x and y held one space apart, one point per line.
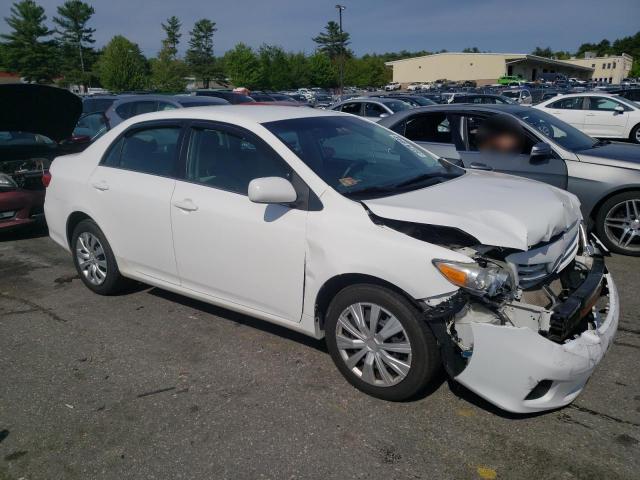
340 9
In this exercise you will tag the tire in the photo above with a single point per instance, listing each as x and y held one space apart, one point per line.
612 219
89 243
635 134
424 357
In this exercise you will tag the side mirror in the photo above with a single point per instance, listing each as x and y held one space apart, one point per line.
541 151
384 115
619 109
271 190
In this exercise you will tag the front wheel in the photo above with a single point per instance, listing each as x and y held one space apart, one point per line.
380 343
618 223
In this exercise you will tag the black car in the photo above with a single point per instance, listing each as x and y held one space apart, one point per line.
231 97
97 103
632 94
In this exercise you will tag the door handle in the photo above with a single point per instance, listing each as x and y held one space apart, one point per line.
480 166
186 205
102 186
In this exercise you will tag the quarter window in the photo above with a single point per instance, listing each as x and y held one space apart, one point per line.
230 161
429 128
353 108
152 151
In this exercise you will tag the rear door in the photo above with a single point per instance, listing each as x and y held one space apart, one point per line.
569 110
602 120
374 111
552 170
438 132
354 108
131 193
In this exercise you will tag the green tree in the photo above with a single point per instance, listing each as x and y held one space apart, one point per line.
274 68
172 36
242 66
543 52
27 50
322 71
168 72
122 66
471 50
331 42
298 68
73 34
199 56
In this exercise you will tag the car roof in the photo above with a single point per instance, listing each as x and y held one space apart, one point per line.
238 114
200 99
455 107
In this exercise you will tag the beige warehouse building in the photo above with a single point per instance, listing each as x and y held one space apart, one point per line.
610 69
484 68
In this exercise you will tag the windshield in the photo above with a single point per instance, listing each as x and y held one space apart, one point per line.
511 94
23 138
562 133
359 158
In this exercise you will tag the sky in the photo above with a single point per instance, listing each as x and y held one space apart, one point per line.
513 26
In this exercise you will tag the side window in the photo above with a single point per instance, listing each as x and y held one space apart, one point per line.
353 108
112 159
153 151
230 161
574 103
433 127
125 110
373 110
143 107
494 134
602 104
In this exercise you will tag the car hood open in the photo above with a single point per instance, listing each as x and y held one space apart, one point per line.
49 111
498 210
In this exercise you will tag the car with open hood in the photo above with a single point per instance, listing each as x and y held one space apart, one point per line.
604 175
330 225
36 125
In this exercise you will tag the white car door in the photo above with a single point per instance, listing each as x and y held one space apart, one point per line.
226 246
568 110
602 120
131 193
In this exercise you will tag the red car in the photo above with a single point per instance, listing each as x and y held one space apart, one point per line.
36 123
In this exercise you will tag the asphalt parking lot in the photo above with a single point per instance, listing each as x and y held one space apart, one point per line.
150 385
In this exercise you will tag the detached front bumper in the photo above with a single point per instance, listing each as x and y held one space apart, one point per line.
20 207
521 371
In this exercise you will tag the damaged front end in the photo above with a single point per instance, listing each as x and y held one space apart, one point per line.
526 329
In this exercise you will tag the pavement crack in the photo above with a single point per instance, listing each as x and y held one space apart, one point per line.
629 330
603 415
34 306
154 392
625 344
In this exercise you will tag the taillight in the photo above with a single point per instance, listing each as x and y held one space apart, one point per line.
46 179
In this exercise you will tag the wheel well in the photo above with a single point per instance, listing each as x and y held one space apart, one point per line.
74 219
596 207
332 286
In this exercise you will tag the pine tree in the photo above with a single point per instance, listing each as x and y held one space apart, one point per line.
73 32
168 72
199 56
27 50
332 42
172 39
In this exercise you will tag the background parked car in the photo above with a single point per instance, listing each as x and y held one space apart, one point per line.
131 105
36 124
486 98
521 96
413 100
373 108
97 103
231 97
600 115
605 176
389 87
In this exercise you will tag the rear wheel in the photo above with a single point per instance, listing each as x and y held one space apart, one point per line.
618 223
94 260
380 343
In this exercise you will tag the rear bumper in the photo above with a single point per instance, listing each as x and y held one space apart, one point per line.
508 363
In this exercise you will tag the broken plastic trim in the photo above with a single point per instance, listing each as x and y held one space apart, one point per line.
449 237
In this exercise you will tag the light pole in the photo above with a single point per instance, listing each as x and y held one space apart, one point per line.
340 9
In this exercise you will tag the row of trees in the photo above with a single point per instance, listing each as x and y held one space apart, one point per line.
66 54
630 45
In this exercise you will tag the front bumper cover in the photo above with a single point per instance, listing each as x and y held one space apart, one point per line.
509 362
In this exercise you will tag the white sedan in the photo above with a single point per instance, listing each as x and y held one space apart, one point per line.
333 226
600 115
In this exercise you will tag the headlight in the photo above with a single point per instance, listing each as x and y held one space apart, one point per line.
487 280
7 182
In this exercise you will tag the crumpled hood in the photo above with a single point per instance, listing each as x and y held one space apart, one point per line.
617 154
49 111
499 210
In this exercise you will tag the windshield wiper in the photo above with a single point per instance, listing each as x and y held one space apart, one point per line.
435 177
371 190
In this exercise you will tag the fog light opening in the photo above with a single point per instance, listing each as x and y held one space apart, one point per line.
540 390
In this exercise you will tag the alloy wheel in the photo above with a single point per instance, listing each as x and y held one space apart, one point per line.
373 344
622 225
91 258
